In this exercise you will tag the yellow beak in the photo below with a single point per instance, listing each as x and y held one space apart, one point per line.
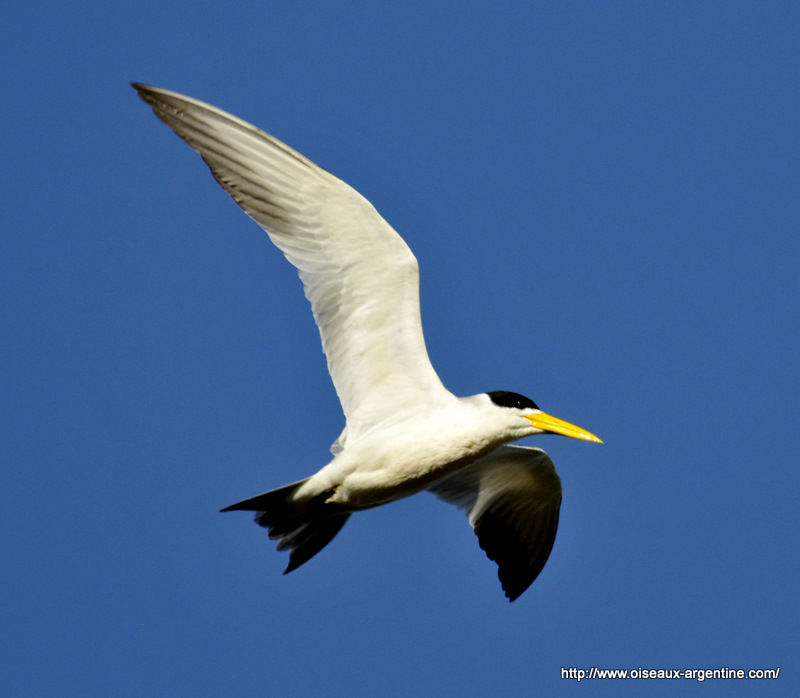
555 425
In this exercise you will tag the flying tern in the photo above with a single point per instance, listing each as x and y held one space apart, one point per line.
404 431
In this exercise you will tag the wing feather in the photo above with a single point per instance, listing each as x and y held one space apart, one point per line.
359 275
512 498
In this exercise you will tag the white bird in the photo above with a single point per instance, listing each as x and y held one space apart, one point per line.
405 432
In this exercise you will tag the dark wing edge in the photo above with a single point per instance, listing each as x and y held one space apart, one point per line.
513 499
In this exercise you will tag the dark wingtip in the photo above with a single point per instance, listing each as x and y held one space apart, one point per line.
147 93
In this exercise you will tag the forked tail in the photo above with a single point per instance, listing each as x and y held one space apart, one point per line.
304 527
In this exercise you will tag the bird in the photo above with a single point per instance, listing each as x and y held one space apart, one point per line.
404 432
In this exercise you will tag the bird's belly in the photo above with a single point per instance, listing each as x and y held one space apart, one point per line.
398 465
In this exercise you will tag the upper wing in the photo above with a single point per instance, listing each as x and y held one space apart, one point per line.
359 275
512 498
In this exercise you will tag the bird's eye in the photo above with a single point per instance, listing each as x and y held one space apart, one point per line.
504 398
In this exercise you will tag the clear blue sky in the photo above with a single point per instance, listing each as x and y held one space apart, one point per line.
603 198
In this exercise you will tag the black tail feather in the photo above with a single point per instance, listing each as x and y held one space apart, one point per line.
266 500
312 537
302 526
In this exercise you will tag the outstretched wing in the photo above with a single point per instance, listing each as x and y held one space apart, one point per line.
512 498
359 275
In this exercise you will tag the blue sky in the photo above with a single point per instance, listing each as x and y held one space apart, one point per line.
603 198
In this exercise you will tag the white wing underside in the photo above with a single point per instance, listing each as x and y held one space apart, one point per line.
512 498
359 275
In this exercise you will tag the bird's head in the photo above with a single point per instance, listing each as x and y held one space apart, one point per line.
540 421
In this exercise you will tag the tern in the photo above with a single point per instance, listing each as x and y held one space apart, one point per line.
404 431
